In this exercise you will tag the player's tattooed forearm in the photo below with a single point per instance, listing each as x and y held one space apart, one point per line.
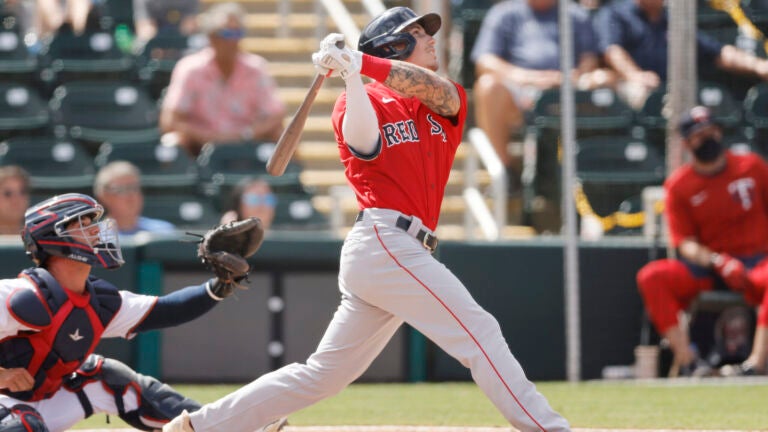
437 93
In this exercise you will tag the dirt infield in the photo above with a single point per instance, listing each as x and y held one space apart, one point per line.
429 429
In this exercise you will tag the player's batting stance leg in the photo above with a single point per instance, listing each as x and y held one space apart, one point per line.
397 138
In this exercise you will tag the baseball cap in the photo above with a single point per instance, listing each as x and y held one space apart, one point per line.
697 118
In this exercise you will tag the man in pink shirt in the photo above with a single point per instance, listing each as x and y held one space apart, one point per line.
222 94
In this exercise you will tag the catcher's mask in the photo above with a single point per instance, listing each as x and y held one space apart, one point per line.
71 226
383 36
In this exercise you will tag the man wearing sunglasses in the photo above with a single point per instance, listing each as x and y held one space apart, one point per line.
222 94
118 188
251 198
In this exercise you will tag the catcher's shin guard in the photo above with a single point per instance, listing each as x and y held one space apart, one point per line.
21 418
158 402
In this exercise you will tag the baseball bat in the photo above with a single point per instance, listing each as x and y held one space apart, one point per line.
289 139
291 136
733 8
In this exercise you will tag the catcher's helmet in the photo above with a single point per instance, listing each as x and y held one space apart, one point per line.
46 232
382 37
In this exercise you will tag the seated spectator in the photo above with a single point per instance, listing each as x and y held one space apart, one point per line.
118 188
717 209
152 17
221 93
516 56
73 15
252 198
633 40
14 199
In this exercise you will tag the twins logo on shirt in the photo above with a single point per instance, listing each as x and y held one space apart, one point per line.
405 131
741 190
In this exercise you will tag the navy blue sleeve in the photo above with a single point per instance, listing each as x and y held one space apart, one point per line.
584 32
708 48
491 36
608 29
177 308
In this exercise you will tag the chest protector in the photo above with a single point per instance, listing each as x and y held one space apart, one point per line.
68 327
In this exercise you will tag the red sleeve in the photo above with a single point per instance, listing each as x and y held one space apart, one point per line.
762 170
678 215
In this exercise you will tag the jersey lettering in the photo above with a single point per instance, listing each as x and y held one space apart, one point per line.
400 132
742 190
437 128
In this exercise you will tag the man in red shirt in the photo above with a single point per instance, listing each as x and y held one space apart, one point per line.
397 138
717 209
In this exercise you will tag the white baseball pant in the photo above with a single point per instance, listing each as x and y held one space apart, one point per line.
386 278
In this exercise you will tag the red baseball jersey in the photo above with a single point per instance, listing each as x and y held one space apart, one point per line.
727 212
411 168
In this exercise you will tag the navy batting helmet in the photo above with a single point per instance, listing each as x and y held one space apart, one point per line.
46 232
382 37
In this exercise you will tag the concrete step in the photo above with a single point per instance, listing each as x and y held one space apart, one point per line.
295 6
295 25
323 104
277 49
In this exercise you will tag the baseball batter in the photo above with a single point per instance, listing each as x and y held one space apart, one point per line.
397 138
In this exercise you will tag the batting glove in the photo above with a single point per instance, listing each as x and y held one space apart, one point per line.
335 59
731 270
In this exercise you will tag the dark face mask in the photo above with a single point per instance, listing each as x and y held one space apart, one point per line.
709 150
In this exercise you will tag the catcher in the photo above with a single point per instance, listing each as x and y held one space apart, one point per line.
54 315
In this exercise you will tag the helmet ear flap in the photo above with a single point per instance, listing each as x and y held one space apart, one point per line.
33 252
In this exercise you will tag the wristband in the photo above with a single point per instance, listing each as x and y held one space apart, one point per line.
210 291
375 67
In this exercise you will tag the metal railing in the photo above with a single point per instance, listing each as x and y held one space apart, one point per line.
491 221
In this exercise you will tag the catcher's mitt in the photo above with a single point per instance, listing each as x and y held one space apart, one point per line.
225 249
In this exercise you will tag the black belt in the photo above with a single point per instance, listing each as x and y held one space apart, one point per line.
426 238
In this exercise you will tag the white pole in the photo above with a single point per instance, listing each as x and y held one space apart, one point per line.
568 207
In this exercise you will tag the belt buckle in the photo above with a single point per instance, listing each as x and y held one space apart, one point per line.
425 241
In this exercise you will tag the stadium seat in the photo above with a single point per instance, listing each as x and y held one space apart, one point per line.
756 116
725 108
119 12
471 20
22 110
156 59
295 211
598 112
55 165
98 111
613 168
708 17
164 169
223 165
92 55
16 62
186 211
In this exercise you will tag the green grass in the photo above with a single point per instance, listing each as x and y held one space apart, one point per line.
592 404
